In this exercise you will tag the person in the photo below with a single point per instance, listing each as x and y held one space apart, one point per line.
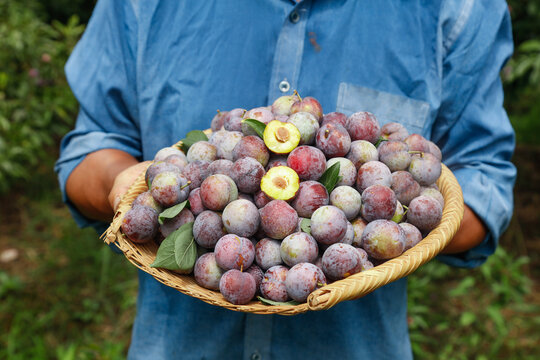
147 72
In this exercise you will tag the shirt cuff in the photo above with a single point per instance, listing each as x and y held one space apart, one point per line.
73 151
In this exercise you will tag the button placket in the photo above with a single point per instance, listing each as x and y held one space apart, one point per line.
288 53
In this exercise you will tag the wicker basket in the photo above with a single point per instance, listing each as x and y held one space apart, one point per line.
353 287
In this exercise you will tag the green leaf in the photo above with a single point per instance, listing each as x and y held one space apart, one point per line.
463 287
277 303
171 212
530 46
330 177
256 125
305 225
185 249
467 318
165 255
191 138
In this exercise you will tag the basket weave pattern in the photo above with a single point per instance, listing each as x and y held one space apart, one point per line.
353 287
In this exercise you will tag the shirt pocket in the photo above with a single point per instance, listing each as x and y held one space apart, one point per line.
386 107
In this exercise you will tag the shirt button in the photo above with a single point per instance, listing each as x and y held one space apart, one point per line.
294 17
284 86
256 356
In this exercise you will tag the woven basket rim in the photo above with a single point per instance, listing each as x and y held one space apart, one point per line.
352 287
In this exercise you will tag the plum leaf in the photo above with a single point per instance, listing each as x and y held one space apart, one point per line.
171 212
175 246
330 177
305 225
185 249
277 303
256 125
191 138
165 258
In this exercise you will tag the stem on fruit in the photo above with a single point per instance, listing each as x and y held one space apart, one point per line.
297 94
186 185
380 140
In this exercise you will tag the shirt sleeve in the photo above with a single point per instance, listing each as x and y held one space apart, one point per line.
101 73
472 128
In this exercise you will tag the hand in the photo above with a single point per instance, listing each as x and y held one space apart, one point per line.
470 234
123 181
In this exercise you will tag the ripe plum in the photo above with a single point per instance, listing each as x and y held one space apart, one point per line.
348 200
208 229
207 273
237 287
140 224
297 248
241 217
311 195
273 284
278 219
340 261
308 162
363 126
333 140
328 224
378 202
424 212
383 239
372 173
267 253
234 252
302 279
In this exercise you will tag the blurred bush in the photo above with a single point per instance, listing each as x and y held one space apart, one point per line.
521 75
62 10
36 104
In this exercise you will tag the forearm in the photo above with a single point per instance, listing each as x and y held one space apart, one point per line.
470 234
89 185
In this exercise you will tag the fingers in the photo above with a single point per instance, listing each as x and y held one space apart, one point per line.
123 182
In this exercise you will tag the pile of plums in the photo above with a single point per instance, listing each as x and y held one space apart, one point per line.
268 216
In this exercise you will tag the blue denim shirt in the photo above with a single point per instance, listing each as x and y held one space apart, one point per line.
147 72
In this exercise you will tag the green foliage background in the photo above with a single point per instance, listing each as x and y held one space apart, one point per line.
68 296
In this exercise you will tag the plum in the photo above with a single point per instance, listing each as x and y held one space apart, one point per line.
267 253
208 229
207 273
371 173
361 152
241 217
308 162
378 202
140 224
273 284
425 213
237 287
278 219
383 239
348 200
328 224
340 261
363 126
302 279
311 195
297 248
234 252
170 188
